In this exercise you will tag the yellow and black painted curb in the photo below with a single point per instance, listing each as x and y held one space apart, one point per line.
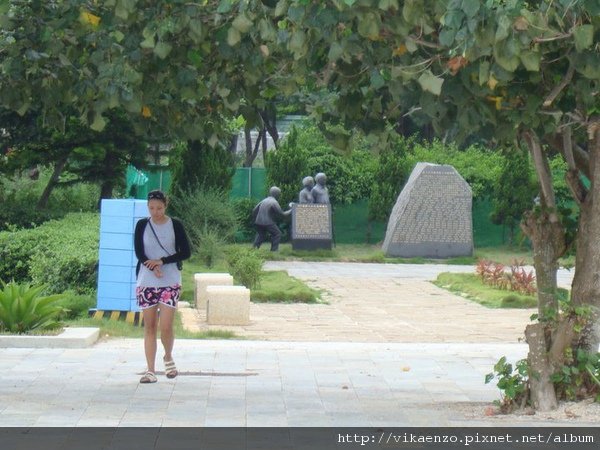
132 317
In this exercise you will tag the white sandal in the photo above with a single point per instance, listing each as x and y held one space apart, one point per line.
170 369
148 378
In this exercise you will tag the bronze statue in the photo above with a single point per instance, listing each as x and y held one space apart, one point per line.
319 192
305 195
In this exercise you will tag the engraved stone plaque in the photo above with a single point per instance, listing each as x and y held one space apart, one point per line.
432 215
311 226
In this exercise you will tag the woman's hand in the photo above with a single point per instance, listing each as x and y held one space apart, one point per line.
153 264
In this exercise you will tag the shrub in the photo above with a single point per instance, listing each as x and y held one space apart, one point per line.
23 193
60 253
514 383
210 246
518 280
201 210
246 266
75 305
243 211
391 174
16 249
23 308
196 165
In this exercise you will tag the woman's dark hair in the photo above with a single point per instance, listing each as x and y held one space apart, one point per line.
157 195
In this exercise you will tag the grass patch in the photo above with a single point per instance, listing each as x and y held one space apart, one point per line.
471 287
279 287
274 286
120 328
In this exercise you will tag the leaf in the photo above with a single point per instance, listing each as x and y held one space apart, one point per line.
429 82
368 26
504 25
242 23
281 8
521 24
470 7
148 43
225 6
447 37
388 4
484 72
233 37
99 123
162 49
297 44
531 60
456 63
349 2
335 51
584 37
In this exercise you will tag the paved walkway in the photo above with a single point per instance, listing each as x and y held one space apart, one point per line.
393 377
377 303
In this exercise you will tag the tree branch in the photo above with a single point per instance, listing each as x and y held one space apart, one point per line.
582 159
560 86
553 38
425 43
542 169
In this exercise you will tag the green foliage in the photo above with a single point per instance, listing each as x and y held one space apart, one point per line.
288 165
75 305
514 384
23 308
20 193
197 166
243 210
75 154
245 265
391 174
306 152
61 253
479 167
209 246
514 190
204 211
579 377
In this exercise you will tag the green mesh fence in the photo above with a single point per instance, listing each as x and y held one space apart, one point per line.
485 233
140 182
350 224
249 182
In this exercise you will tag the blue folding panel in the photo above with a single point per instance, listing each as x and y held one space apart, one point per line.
117 261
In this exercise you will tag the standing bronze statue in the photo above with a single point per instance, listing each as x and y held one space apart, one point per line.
305 195
319 192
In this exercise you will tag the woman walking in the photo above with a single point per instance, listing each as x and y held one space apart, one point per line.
161 244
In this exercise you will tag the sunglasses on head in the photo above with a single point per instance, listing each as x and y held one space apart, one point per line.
156 196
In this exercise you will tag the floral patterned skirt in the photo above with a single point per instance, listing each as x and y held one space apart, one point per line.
147 297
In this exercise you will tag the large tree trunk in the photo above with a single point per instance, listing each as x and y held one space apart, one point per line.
547 235
52 182
586 282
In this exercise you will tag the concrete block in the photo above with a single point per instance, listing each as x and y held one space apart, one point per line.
228 305
202 280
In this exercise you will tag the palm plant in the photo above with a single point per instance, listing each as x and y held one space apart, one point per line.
24 308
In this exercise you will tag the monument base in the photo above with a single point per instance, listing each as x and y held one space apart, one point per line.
311 244
429 250
312 227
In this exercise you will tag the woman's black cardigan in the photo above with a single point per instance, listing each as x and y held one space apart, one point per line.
182 244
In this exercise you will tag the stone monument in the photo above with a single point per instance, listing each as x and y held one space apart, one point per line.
311 226
432 215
